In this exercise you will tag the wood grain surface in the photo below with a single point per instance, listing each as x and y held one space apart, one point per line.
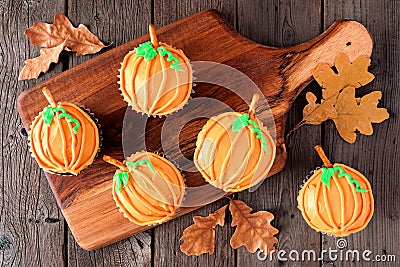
86 200
269 22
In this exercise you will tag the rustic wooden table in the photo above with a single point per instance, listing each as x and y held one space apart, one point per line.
33 231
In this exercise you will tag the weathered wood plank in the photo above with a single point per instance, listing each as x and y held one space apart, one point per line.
86 199
31 226
166 237
117 23
284 23
166 12
375 156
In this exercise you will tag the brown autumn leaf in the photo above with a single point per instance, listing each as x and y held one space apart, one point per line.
353 74
79 39
315 113
337 104
34 66
254 230
199 238
358 113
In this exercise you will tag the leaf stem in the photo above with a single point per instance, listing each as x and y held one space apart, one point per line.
115 162
322 155
153 36
49 97
297 126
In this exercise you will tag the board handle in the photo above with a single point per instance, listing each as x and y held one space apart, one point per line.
344 36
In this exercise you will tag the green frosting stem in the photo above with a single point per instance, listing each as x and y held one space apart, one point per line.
49 112
245 121
146 50
327 174
164 52
140 162
121 179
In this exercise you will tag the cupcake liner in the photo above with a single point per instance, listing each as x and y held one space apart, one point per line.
98 125
308 176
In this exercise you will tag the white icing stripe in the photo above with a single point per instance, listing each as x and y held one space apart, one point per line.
161 89
92 128
132 94
318 208
328 209
147 183
73 144
47 147
244 178
80 154
223 171
176 88
63 143
131 188
36 139
356 205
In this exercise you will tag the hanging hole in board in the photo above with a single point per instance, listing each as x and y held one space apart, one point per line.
348 44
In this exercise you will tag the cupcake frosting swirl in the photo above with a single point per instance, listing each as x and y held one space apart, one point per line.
157 85
234 158
153 190
64 140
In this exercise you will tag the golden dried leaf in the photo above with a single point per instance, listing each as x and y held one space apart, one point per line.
358 113
338 101
253 231
79 39
348 74
34 66
314 113
199 238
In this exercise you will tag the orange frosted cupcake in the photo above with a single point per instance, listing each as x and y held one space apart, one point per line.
155 78
234 151
147 188
336 200
63 138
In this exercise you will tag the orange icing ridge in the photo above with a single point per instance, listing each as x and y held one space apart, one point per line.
151 86
57 148
233 161
150 197
340 210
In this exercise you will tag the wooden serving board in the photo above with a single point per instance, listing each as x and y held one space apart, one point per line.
281 73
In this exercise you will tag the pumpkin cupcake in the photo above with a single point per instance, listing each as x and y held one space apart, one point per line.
147 188
63 138
155 78
336 199
234 151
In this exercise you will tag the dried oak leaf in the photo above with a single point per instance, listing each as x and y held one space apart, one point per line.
348 74
34 66
315 113
358 113
79 39
253 231
199 238
338 98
